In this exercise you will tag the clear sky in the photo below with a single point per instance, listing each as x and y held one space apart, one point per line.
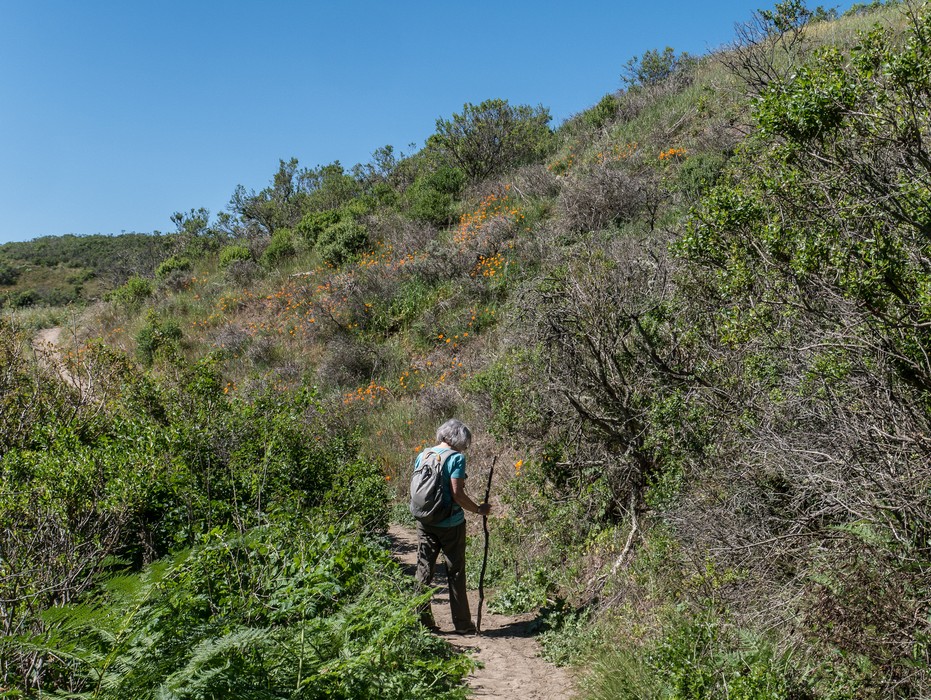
116 113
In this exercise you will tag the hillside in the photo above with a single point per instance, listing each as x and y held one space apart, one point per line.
58 270
691 322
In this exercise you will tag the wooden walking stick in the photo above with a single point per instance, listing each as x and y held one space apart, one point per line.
481 576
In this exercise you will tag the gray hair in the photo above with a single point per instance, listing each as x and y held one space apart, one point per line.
455 434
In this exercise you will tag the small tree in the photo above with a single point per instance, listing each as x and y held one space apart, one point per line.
487 139
653 68
770 45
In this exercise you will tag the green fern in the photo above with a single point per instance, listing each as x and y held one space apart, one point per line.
281 612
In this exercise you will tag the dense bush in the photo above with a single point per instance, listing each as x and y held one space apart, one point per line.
300 611
234 253
812 275
8 273
134 292
492 137
22 299
602 113
172 265
157 336
342 241
653 67
279 248
314 223
167 463
431 196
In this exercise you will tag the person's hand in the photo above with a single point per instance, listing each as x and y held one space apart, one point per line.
484 509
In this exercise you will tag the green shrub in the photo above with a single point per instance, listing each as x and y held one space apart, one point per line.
279 248
155 336
521 596
359 491
492 137
602 113
654 67
286 611
314 223
172 264
8 273
232 253
23 299
568 633
431 197
135 291
515 408
342 242
699 173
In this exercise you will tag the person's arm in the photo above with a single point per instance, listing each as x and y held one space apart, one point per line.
462 498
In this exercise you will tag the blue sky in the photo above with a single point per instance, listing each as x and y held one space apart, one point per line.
115 114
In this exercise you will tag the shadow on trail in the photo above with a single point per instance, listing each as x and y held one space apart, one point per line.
518 630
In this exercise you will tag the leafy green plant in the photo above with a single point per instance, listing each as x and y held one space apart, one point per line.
279 248
515 407
521 596
157 335
342 242
430 198
8 273
491 137
602 113
172 264
135 291
568 634
233 253
314 223
308 613
653 67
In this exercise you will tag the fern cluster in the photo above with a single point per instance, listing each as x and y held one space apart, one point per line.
289 611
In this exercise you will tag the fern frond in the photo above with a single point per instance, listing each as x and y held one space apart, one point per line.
213 656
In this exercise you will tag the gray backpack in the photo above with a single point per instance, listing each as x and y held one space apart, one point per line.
427 505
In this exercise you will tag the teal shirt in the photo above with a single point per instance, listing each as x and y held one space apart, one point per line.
453 468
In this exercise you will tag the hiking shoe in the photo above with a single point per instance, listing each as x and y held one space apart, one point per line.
466 630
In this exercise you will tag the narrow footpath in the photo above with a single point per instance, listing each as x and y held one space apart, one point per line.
46 346
511 666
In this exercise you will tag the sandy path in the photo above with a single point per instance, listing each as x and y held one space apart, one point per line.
48 338
512 669
46 346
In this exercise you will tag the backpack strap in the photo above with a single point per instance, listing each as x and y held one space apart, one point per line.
443 457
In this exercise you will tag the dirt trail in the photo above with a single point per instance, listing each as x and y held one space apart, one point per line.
48 338
46 346
512 669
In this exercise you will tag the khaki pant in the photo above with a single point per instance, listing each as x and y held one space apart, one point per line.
452 542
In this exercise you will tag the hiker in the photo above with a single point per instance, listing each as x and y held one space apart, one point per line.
449 534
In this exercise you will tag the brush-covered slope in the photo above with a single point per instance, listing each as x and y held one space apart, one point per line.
691 321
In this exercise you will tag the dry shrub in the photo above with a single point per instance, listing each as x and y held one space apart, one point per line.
402 235
599 198
349 362
536 181
438 403
242 272
482 189
232 338
176 280
262 350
